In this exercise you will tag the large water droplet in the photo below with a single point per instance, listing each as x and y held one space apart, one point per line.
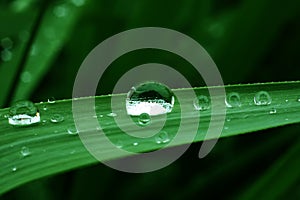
150 97
201 103
25 151
144 119
23 113
262 98
7 43
233 100
162 137
56 118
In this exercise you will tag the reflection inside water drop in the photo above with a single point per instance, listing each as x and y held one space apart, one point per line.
150 97
144 119
23 113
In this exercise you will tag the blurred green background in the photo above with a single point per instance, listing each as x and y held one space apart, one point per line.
43 43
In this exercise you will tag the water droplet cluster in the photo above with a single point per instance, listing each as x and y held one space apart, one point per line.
233 100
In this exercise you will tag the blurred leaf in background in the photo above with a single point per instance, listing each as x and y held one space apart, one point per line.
43 43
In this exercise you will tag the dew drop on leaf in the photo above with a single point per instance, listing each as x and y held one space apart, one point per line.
56 118
150 97
135 143
119 144
233 100
72 130
14 169
44 107
25 151
262 98
162 137
201 103
23 113
51 100
273 111
144 119
112 114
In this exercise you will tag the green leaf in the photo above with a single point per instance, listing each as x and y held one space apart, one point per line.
53 150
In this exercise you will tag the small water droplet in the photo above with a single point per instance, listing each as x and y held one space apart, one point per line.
233 100
262 98
150 97
25 151
72 130
51 100
14 169
7 43
100 116
135 143
162 137
119 144
73 151
226 127
144 119
286 100
228 119
56 118
44 107
23 113
26 77
6 55
201 103
44 121
298 99
273 111
112 114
